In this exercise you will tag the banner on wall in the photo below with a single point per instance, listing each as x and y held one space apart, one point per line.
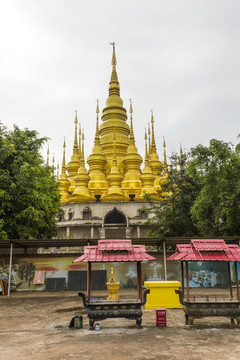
31 273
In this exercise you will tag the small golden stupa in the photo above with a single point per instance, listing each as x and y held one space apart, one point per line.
113 288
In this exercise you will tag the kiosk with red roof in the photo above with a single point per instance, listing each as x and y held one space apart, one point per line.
112 251
208 250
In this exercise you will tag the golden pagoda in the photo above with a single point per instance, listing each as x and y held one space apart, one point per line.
114 173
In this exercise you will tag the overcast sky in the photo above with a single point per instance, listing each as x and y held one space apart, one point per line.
180 58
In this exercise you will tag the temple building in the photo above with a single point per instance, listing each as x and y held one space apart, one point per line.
107 200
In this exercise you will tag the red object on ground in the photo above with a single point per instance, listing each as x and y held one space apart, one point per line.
206 250
161 319
114 250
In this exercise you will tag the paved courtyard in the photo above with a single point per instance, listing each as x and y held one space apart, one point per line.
35 326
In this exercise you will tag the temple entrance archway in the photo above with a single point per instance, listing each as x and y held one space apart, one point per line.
115 217
115 224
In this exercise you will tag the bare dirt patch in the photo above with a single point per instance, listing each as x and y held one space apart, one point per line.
35 326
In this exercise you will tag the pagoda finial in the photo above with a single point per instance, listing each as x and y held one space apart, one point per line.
114 88
149 139
75 146
53 168
64 161
114 60
146 148
79 140
132 139
82 157
57 169
64 183
97 140
153 149
48 155
165 156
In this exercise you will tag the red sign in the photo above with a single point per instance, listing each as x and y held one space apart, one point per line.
161 319
39 277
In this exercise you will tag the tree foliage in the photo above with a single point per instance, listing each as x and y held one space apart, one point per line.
172 217
216 210
204 196
29 195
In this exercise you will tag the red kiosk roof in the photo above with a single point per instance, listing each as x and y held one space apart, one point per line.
206 250
114 250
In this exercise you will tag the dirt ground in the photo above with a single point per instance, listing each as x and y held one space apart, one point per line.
35 326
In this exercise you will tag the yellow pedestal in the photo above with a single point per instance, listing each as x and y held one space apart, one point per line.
162 295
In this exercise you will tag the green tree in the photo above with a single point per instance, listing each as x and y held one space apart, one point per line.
29 196
216 210
172 217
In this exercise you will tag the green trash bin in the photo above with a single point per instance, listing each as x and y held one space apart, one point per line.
78 322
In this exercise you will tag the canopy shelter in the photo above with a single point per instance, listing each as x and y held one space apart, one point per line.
207 250
115 251
17 247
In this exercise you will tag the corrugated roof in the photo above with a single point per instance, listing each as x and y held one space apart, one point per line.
206 250
209 244
114 245
114 250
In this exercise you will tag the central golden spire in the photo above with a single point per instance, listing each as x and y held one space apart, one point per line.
114 118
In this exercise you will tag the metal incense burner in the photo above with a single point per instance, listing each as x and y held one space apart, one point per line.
208 250
115 251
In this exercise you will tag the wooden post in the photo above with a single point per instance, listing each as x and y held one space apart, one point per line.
139 275
10 269
182 276
164 260
237 281
230 280
89 282
187 281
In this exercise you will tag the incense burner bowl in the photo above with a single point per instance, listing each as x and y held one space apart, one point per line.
197 310
101 310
